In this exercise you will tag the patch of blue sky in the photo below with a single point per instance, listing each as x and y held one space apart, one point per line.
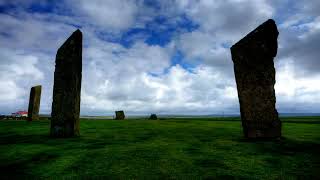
299 24
152 3
179 59
5 34
5 8
43 7
133 35
32 7
48 8
284 11
126 39
162 29
289 10
159 31
226 45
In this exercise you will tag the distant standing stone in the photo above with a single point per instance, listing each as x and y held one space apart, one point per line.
120 115
255 77
34 103
153 117
67 87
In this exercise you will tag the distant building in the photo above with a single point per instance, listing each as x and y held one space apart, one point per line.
20 114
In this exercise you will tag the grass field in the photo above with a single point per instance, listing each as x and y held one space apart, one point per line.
171 148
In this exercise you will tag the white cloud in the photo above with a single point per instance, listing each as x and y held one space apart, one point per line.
299 43
32 32
9 92
227 19
221 24
108 14
204 46
177 91
114 76
296 93
18 72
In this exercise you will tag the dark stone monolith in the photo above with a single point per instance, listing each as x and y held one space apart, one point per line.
153 117
255 77
34 103
120 115
67 87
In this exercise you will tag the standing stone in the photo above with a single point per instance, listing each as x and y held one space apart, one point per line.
67 87
34 103
153 117
120 115
255 77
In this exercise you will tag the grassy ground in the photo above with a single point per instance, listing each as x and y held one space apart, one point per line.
172 148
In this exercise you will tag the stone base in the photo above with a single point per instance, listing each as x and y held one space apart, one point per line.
259 130
64 131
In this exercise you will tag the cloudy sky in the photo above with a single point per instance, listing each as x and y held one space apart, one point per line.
156 56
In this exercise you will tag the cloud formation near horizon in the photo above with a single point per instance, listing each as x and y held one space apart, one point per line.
153 56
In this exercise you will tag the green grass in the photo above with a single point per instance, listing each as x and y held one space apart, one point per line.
163 149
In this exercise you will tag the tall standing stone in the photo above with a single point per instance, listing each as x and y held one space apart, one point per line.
34 103
120 115
67 87
255 77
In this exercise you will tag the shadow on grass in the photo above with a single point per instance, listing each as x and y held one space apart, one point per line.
33 139
283 146
290 147
20 168
301 122
87 142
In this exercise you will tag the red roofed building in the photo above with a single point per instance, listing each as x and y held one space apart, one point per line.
20 114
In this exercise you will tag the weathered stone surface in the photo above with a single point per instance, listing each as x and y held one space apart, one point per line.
153 117
67 87
34 103
255 77
120 115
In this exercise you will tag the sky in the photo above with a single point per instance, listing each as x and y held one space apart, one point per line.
156 56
